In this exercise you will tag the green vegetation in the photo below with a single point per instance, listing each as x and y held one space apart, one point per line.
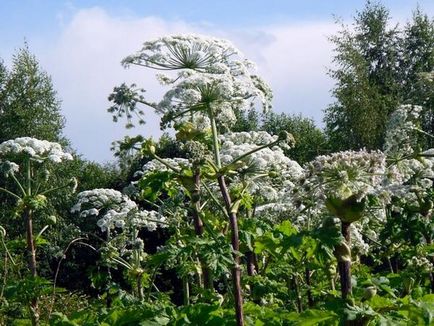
244 216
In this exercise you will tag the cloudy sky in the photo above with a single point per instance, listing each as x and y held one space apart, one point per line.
81 43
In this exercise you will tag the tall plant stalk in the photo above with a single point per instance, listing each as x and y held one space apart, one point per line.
344 261
31 248
233 221
198 225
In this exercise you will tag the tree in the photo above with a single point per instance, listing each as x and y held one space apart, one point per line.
417 60
28 108
379 67
366 77
310 141
28 103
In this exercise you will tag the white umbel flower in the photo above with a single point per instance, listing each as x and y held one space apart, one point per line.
116 210
35 149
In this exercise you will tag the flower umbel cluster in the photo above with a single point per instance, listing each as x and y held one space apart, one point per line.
210 77
400 140
183 51
35 149
267 173
157 166
344 174
271 162
116 210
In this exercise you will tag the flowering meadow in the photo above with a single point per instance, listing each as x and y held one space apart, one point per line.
216 225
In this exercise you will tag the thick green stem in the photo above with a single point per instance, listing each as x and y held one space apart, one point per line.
307 275
10 193
236 270
215 200
18 184
139 286
297 293
54 189
198 226
215 141
185 291
332 282
29 178
344 263
5 276
31 252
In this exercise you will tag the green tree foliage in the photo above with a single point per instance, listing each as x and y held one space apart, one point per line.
378 66
366 91
28 102
29 107
417 61
310 141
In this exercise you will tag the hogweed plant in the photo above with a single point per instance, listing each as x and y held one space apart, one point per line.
368 195
209 82
290 225
342 183
28 161
410 186
120 219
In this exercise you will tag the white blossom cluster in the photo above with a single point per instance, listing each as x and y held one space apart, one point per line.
249 137
186 51
116 210
8 168
420 264
157 166
211 76
340 176
344 174
234 145
268 173
399 175
400 140
35 149
357 242
278 209
409 174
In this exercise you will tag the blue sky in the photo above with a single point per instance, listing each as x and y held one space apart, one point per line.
80 44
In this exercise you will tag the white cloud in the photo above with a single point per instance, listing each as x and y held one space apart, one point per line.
85 65
294 59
